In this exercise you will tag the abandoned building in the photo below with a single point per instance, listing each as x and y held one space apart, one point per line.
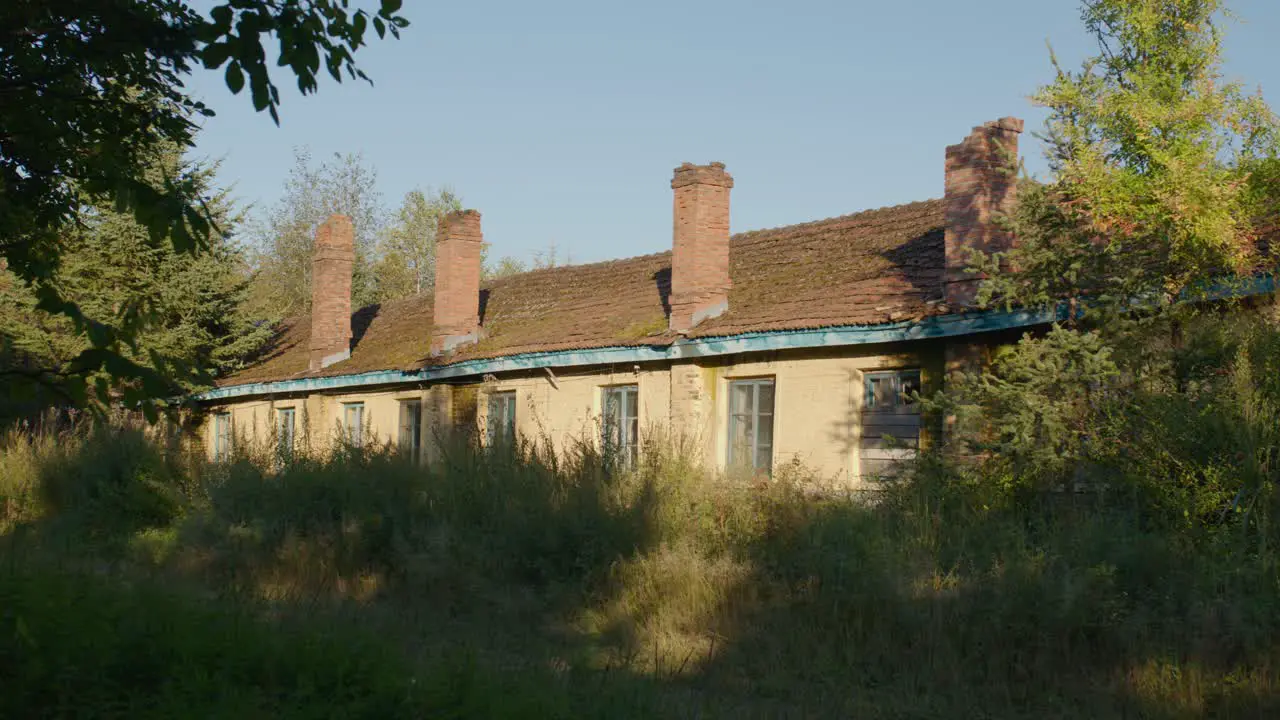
805 342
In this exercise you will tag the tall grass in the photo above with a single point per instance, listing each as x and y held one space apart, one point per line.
522 583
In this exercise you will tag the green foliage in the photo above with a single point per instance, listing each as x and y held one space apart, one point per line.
284 238
188 310
1186 427
92 88
1163 173
407 265
505 266
518 584
1164 186
1035 405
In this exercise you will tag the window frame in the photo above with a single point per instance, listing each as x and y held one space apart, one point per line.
414 428
356 439
869 395
285 441
624 444
507 399
902 415
223 436
731 461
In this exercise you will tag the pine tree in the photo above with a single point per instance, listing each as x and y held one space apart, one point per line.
194 326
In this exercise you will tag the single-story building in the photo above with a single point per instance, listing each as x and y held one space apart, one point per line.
805 342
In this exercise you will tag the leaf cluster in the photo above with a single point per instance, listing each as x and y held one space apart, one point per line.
89 89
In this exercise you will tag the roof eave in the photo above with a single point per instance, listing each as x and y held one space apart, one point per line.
938 326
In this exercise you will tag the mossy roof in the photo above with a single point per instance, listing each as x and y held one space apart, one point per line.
867 268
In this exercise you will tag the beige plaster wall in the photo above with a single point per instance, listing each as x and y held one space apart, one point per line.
817 418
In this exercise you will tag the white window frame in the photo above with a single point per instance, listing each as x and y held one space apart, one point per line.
286 433
620 431
355 435
223 436
757 418
411 427
500 417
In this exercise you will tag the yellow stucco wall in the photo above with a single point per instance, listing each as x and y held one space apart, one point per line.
819 396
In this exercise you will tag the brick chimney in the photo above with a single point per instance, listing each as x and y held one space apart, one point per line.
331 292
700 248
980 185
457 293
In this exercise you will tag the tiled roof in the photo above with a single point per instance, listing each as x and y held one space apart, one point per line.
863 269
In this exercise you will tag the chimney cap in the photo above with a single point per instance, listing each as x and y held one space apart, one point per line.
712 173
344 237
1010 123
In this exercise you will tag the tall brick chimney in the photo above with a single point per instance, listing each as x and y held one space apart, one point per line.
700 248
980 185
331 292
457 293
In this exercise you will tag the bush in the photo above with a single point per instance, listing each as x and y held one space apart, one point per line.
529 583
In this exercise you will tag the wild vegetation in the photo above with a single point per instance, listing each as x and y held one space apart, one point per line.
1093 533
92 90
138 577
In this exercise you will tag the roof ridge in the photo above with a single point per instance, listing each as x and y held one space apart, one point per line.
866 213
599 264
862 268
745 234
573 266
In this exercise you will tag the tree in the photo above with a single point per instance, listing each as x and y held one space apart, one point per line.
505 266
551 257
407 262
285 236
195 326
1164 175
90 88
1164 180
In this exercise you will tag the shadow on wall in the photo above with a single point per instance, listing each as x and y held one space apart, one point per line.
846 432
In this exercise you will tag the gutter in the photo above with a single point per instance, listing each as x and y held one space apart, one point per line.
687 348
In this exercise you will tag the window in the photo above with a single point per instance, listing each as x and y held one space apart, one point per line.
285 432
751 424
890 422
502 418
353 423
222 436
411 428
621 405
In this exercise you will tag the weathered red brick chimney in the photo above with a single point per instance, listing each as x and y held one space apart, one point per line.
457 293
980 185
700 248
331 291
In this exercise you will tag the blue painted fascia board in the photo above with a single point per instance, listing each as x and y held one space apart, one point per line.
934 327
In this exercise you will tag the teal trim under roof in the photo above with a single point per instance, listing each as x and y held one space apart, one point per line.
928 328
934 327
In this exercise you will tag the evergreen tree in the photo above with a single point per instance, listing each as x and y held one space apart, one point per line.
192 324
1163 183
90 88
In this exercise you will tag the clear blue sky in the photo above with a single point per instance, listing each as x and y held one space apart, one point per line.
561 121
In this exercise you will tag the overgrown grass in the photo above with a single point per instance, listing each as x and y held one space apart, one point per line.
524 584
